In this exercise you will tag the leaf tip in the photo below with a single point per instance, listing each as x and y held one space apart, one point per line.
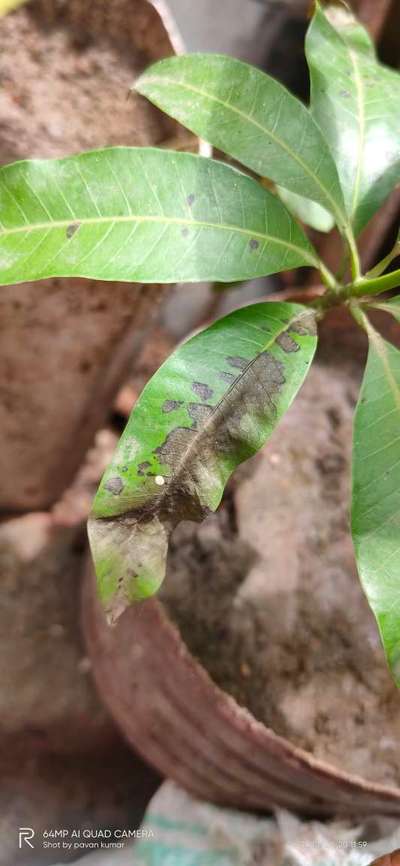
129 559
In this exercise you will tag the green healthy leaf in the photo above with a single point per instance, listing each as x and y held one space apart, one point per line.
376 491
213 404
250 116
356 102
390 306
145 215
309 212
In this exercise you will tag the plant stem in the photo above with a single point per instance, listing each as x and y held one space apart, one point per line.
376 286
354 256
359 316
327 276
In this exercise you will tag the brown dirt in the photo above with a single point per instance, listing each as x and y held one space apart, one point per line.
63 90
266 594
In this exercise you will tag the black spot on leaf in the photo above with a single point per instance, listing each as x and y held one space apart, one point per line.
115 485
184 232
71 229
191 198
254 244
202 390
171 405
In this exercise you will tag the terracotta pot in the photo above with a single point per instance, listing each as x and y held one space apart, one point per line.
388 860
169 708
67 344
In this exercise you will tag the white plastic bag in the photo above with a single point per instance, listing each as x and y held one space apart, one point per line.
179 830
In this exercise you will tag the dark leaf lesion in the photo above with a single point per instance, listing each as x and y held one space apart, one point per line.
202 390
72 229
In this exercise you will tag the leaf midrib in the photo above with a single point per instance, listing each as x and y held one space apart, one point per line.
162 80
132 218
360 93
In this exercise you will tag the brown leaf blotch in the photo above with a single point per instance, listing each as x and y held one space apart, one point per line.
287 343
188 450
305 325
202 390
237 361
115 485
199 412
171 405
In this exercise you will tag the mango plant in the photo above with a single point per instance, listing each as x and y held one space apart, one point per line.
146 214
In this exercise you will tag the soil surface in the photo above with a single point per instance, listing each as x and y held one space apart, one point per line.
266 593
63 90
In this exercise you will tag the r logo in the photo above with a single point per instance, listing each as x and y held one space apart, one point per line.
26 834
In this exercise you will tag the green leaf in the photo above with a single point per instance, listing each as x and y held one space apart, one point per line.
356 102
376 491
145 215
250 116
211 405
309 212
390 306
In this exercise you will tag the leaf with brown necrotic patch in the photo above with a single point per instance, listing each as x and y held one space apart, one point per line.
212 405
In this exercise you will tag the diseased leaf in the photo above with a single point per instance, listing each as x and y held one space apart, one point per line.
376 491
392 306
309 212
356 102
250 116
145 215
212 405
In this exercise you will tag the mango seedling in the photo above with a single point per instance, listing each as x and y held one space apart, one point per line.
151 215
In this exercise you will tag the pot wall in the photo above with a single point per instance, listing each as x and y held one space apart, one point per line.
66 345
170 710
